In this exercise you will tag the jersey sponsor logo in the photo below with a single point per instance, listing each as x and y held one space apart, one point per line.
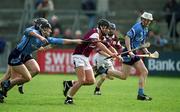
14 61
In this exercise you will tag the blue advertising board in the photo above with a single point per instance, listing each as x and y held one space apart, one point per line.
167 63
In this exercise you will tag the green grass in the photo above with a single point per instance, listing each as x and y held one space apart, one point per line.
44 94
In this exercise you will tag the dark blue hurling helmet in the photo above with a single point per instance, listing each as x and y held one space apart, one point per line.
112 26
41 23
103 22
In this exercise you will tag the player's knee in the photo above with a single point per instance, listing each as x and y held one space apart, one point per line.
124 76
103 77
91 82
82 82
144 72
27 79
87 82
35 71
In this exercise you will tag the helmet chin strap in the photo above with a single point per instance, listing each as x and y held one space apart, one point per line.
110 34
44 33
103 34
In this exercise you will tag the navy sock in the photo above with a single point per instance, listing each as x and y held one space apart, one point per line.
140 91
97 89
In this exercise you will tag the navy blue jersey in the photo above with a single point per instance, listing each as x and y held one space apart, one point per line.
29 43
137 35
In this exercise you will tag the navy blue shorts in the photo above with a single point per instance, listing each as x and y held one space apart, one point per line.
130 60
17 58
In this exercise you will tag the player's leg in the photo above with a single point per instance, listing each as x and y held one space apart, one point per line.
108 64
98 85
89 77
100 62
33 68
85 77
6 76
1 97
84 74
116 73
72 91
67 85
139 65
21 70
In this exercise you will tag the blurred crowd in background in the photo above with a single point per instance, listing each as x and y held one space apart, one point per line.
93 9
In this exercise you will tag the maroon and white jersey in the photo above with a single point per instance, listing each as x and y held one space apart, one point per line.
114 42
106 42
86 48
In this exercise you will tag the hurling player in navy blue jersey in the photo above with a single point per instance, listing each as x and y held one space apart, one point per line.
21 66
135 37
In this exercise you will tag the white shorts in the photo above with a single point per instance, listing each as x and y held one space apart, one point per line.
81 60
99 60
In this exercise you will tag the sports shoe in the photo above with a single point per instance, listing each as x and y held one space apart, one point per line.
20 89
66 87
1 97
68 101
97 92
5 86
144 97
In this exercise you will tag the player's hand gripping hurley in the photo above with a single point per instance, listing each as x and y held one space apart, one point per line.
146 45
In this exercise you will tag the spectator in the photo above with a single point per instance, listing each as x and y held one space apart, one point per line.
78 34
172 7
89 6
43 7
56 33
68 33
54 21
155 35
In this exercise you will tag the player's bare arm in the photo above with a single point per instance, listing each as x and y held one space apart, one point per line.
104 48
128 45
71 41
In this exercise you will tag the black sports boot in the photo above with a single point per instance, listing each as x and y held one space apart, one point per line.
5 87
97 91
1 97
20 89
144 97
69 100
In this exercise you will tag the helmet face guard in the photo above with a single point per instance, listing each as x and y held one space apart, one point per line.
39 21
103 25
43 26
46 32
146 19
112 28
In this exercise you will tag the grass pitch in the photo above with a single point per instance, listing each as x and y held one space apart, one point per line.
44 94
